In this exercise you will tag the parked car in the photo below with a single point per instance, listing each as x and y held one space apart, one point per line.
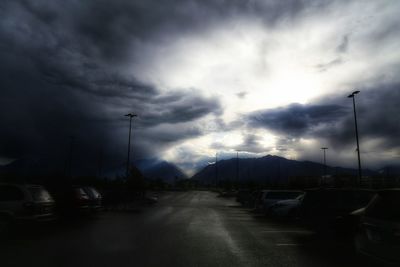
150 199
286 208
379 232
258 197
254 199
227 193
267 198
95 198
71 200
23 203
331 209
243 196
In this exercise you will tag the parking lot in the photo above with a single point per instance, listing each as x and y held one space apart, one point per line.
195 228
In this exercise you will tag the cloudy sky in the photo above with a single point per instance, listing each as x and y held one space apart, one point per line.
204 76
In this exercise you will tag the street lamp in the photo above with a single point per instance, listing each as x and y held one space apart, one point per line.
216 169
71 144
130 115
352 95
237 167
324 149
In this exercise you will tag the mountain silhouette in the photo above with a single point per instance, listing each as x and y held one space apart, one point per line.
268 169
160 169
31 168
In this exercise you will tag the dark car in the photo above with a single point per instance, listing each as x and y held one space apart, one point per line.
24 203
243 196
271 197
227 193
287 209
330 209
266 198
254 198
95 198
71 200
379 232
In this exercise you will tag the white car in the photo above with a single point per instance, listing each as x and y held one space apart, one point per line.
378 236
24 202
268 198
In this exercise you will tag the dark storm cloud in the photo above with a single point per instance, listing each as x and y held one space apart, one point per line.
66 70
296 119
378 114
251 144
218 146
165 135
64 74
179 108
107 30
332 118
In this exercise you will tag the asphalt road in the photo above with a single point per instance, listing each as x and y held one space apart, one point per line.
183 229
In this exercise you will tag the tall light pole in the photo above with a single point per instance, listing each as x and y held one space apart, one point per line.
68 164
130 115
324 149
237 167
352 95
216 169
100 163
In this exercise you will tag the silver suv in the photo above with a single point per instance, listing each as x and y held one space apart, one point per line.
24 202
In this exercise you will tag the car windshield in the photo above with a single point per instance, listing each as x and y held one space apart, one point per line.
93 192
282 195
40 194
80 192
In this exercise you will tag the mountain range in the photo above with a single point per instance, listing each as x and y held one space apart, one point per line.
32 167
265 169
160 169
274 169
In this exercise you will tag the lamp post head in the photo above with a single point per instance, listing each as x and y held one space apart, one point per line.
130 115
353 94
324 148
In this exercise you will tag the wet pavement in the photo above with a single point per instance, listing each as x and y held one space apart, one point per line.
184 229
